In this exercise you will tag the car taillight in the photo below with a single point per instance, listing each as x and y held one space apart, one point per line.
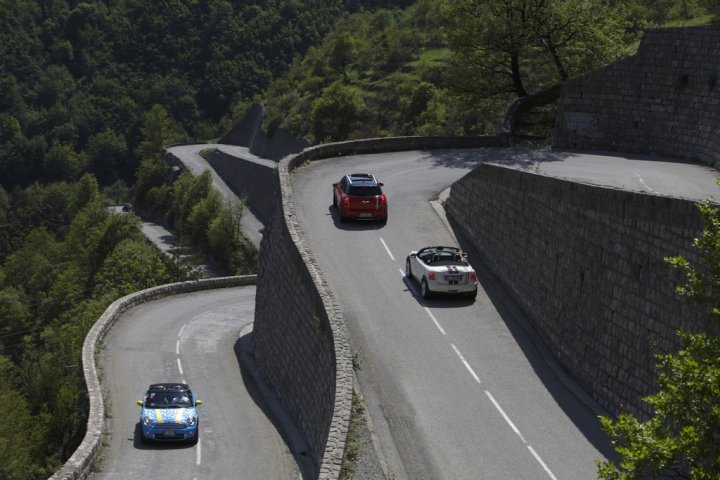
346 201
431 275
473 277
383 201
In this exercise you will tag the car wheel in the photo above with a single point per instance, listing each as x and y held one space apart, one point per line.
383 220
408 272
334 201
142 438
425 290
472 294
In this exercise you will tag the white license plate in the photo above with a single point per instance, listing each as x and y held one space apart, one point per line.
365 215
452 278
169 433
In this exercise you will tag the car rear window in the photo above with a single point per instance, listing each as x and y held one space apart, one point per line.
364 191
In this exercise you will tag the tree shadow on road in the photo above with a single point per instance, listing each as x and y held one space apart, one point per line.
511 157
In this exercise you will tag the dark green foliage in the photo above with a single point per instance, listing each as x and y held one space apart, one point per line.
337 112
361 80
82 75
70 258
197 212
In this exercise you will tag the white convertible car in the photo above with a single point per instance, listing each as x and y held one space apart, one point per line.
442 270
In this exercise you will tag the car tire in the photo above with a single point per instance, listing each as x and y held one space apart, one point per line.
425 290
334 201
408 272
472 294
383 220
143 440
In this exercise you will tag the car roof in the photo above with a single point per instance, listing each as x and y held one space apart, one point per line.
362 179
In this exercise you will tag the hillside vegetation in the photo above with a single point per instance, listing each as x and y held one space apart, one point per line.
90 92
453 67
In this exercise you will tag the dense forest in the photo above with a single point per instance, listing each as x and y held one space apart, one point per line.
91 91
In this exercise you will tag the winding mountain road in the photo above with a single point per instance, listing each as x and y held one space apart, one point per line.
456 389
196 338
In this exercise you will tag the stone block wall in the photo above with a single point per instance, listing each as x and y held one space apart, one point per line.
294 342
664 100
585 263
255 182
301 342
249 133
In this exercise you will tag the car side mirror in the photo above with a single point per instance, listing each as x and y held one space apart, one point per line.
140 403
381 184
198 402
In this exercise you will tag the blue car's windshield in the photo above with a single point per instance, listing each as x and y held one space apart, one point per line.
167 400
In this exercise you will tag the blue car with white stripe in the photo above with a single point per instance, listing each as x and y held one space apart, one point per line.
169 413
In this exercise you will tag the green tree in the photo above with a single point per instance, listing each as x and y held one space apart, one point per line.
85 192
16 320
682 436
158 130
517 47
107 153
187 191
342 53
337 112
152 173
62 163
200 217
20 433
132 265
226 244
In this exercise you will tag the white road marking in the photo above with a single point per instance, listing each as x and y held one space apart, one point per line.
504 415
182 330
645 185
540 461
177 347
197 454
467 365
180 366
387 249
437 324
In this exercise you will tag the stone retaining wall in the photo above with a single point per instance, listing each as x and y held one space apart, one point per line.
80 464
586 265
664 100
254 182
301 342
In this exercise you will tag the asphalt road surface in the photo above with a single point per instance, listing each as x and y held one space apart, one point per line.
639 173
459 389
198 339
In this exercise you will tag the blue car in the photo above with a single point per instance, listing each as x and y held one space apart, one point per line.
169 413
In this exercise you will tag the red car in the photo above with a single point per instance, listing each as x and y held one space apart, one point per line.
360 196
